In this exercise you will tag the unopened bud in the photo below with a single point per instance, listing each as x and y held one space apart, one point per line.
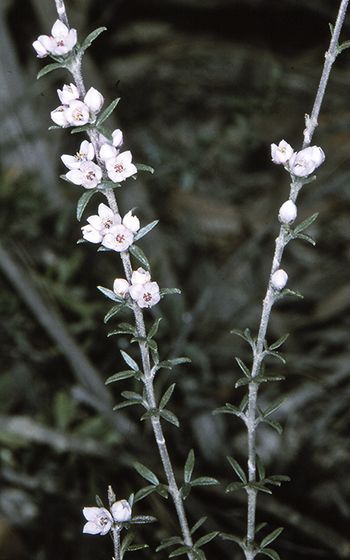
279 279
288 212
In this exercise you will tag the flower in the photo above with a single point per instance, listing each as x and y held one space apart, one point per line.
288 212
119 238
61 41
100 224
279 279
107 151
120 288
88 175
120 167
58 116
117 136
94 100
121 510
77 113
303 163
281 153
99 520
86 153
145 295
131 222
140 276
68 93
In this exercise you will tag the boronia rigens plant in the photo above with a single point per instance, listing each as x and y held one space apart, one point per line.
100 166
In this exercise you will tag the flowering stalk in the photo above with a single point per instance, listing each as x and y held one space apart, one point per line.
82 110
300 166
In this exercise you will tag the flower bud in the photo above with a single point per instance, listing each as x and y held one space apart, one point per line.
121 511
94 100
131 222
281 153
279 279
40 49
117 136
68 93
121 287
305 162
107 151
58 116
288 212
140 276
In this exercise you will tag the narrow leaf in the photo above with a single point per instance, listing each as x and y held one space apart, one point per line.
154 328
143 231
144 492
169 542
110 294
275 425
140 256
243 367
261 468
206 538
179 551
198 524
204 481
238 469
305 224
144 167
270 553
91 37
111 313
170 417
189 465
84 128
132 396
146 473
169 291
166 397
129 361
279 342
83 201
49 68
107 112
124 404
120 376
141 519
273 407
169 364
234 486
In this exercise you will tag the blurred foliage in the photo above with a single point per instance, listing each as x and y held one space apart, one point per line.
206 86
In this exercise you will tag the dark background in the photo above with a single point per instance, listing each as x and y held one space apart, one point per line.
206 86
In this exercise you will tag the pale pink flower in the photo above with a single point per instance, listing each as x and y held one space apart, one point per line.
120 288
99 520
102 222
94 100
281 153
88 175
131 222
140 276
68 93
119 238
77 113
39 46
303 163
145 295
279 279
107 151
121 511
91 234
86 153
58 116
120 167
61 41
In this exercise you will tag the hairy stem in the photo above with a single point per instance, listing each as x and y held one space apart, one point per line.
271 294
75 70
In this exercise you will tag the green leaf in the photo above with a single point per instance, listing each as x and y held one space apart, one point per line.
144 492
238 469
279 478
126 328
279 342
91 37
55 127
230 537
198 524
170 417
185 490
242 381
107 112
120 376
243 367
124 404
134 547
343 46
305 224
129 361
140 256
234 486
243 403
268 378
154 328
151 413
162 490
306 237
245 335
260 526
142 519
110 294
259 487
228 409
144 167
126 543
270 553
288 292
169 291
179 551
132 396
143 231
273 407
49 68
189 465
84 128
204 481
206 538
166 397
261 468
170 541
146 473
83 201
169 364
275 425
111 313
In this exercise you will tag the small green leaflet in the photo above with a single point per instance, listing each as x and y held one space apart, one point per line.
107 112
49 68
90 38
140 256
83 201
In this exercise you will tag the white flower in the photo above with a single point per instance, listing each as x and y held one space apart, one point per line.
120 288
145 295
279 279
140 276
68 93
41 46
94 100
99 520
91 234
120 167
88 175
117 136
303 163
131 222
86 153
104 219
107 151
121 511
281 153
62 39
119 238
58 116
77 113
288 212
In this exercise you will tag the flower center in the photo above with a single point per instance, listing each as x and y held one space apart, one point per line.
107 223
79 156
119 168
90 175
103 521
78 115
120 238
147 297
60 43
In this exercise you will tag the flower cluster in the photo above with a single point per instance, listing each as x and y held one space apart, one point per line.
73 111
100 520
141 289
61 41
300 164
110 229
